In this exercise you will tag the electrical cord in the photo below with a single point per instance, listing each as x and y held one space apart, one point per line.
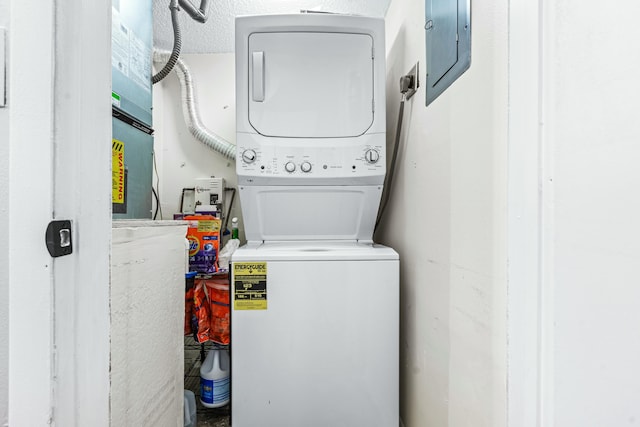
405 83
156 194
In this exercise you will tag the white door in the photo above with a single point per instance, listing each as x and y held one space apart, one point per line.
59 168
310 85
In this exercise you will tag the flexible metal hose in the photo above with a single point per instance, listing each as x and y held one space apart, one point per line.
392 166
190 110
199 14
177 44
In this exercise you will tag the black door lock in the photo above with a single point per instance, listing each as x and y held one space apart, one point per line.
58 238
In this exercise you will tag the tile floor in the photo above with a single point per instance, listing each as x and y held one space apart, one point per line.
207 417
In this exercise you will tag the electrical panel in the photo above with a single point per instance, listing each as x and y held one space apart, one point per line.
448 41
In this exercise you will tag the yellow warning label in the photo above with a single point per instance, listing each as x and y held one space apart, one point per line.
250 286
117 171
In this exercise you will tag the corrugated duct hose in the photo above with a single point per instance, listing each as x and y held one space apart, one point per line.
190 110
177 44
189 106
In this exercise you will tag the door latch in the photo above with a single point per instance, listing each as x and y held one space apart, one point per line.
58 238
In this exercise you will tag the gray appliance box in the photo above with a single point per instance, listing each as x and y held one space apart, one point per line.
135 176
131 49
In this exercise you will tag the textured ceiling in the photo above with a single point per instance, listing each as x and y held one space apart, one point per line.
216 35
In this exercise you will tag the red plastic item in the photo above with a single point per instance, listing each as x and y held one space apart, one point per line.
217 288
188 311
201 312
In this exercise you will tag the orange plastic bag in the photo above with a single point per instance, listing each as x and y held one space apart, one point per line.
188 311
218 292
201 313
188 302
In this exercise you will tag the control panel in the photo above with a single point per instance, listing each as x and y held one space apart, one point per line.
311 161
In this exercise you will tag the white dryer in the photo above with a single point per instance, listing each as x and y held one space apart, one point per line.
315 303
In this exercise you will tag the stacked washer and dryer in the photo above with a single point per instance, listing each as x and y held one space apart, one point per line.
315 303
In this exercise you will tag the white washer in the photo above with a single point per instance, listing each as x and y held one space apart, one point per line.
324 350
315 305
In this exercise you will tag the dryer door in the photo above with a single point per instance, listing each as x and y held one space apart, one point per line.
310 84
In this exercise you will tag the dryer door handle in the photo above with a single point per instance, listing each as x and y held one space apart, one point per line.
257 64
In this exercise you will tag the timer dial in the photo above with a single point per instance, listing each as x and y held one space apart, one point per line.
371 156
290 167
249 156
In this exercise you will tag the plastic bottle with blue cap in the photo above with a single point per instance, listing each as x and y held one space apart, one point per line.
215 379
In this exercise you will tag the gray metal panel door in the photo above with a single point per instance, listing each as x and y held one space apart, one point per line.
448 41
443 34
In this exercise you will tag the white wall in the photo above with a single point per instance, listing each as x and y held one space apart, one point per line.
524 218
591 208
180 157
4 231
447 219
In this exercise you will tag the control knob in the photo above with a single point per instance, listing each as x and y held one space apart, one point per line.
306 167
371 156
290 167
249 156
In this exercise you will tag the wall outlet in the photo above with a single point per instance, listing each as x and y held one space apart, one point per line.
414 83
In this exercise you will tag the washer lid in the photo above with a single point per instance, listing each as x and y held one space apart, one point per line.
314 251
310 84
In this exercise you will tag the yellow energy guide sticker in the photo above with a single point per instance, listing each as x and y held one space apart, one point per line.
250 286
117 171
